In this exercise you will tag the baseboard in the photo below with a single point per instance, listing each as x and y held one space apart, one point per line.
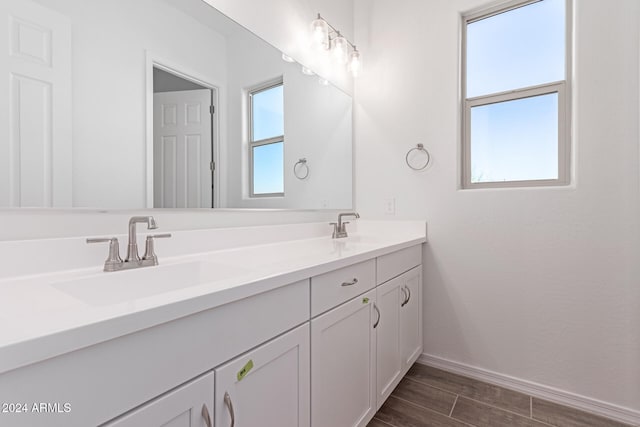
552 394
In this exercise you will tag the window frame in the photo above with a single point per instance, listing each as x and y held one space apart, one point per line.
267 141
562 88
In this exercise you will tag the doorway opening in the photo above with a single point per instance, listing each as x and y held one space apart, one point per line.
183 141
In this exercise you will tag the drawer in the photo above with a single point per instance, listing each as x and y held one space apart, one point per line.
396 263
331 289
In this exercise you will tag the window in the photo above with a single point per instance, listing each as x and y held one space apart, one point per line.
516 109
266 141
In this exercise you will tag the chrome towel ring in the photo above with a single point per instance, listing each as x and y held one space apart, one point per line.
419 148
301 169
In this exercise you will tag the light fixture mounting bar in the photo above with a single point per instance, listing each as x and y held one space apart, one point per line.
336 32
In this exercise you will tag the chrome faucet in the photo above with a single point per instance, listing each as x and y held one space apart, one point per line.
340 228
133 260
132 248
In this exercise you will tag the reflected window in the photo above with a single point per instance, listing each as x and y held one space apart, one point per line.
516 114
266 145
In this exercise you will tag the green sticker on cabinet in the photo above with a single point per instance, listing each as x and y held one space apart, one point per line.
365 300
245 370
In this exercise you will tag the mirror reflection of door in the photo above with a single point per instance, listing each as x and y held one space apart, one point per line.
182 142
35 106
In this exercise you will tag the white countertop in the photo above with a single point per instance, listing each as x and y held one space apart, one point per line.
49 314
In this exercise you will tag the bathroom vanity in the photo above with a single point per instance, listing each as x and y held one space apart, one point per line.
282 328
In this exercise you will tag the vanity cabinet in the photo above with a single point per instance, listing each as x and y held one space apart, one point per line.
190 405
324 351
268 386
399 334
343 367
362 348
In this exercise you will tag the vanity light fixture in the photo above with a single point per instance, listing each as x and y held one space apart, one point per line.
327 38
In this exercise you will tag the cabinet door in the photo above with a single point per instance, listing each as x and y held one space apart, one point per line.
411 318
187 406
268 386
390 297
343 350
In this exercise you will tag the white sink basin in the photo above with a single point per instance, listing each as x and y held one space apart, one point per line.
104 289
127 286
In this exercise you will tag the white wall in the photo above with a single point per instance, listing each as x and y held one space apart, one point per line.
317 126
110 40
539 284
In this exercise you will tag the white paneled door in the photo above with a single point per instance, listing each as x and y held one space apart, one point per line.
390 297
190 405
182 149
411 319
268 386
343 364
35 106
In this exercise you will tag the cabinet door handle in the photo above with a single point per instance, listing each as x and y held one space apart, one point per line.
351 283
409 292
227 401
206 416
406 297
375 307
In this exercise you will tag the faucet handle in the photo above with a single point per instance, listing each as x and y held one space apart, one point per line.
114 250
100 239
149 248
335 229
159 236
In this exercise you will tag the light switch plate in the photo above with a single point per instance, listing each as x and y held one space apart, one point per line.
390 206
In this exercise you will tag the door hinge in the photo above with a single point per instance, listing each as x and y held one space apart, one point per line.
212 166
212 109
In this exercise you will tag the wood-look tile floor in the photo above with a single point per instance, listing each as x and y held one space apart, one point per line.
430 397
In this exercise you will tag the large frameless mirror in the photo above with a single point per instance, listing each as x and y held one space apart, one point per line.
129 104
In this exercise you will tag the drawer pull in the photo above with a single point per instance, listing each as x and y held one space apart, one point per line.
351 283
206 416
227 401
375 307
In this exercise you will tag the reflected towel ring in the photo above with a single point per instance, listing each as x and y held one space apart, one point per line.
297 169
418 148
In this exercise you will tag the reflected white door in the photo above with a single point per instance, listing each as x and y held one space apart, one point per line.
35 106
182 149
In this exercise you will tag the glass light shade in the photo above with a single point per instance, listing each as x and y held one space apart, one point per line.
320 33
307 71
340 49
287 58
355 63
